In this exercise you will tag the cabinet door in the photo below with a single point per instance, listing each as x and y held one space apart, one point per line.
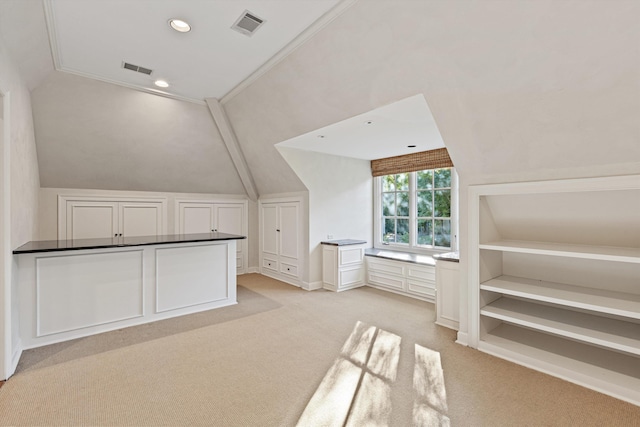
140 219
91 220
269 230
196 218
288 226
228 218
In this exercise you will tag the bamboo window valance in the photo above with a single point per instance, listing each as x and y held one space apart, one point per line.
432 159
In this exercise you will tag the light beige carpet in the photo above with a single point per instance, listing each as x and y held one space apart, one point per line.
284 355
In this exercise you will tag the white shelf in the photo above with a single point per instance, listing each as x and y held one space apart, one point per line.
610 372
598 330
603 301
605 253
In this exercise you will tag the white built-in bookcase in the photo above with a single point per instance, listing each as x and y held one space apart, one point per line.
554 279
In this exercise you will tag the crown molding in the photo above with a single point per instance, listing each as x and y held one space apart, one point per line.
58 62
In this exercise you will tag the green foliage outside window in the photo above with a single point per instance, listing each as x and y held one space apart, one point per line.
432 199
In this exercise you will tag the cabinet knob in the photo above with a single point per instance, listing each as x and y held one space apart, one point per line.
278 230
115 235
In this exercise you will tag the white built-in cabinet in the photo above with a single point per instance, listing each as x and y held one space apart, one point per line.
280 239
224 216
343 266
554 279
402 277
86 217
447 294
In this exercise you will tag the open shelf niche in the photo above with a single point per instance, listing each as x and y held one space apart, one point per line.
555 283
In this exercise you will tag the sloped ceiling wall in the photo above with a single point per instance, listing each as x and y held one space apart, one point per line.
92 134
517 88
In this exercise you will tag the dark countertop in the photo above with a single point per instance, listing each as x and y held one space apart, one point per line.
343 242
400 256
449 256
118 242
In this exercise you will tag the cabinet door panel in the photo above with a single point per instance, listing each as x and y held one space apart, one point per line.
229 218
91 220
289 230
140 219
196 218
269 230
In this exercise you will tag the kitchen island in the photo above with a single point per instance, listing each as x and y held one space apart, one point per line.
74 288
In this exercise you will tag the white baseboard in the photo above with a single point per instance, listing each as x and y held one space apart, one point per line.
15 358
253 270
313 286
462 339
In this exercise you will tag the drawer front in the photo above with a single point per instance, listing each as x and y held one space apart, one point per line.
289 269
351 256
351 277
422 288
270 264
386 280
384 267
421 273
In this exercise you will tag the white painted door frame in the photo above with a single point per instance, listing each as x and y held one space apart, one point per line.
5 242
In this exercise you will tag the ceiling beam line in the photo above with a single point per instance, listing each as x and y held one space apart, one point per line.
231 141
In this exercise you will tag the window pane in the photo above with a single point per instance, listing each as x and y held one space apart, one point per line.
388 204
442 178
425 179
402 234
442 203
403 204
425 232
402 182
388 183
425 203
389 232
443 233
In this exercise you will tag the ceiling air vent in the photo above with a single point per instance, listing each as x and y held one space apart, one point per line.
137 68
247 23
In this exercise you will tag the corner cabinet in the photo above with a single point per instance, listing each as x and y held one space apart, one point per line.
280 239
554 279
224 216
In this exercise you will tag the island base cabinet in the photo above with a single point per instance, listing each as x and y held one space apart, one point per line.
72 294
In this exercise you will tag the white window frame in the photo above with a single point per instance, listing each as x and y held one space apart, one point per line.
413 246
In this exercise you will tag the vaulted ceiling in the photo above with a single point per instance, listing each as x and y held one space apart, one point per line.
517 90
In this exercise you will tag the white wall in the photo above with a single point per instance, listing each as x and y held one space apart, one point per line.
20 198
340 201
520 90
92 134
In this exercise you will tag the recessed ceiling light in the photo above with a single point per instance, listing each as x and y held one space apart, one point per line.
320 136
180 25
161 83
368 122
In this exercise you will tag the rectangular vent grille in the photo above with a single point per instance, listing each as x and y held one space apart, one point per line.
137 68
247 23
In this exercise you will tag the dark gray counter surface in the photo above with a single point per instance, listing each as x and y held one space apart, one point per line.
117 242
449 256
343 242
400 256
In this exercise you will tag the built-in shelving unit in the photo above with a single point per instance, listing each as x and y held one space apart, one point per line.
555 283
